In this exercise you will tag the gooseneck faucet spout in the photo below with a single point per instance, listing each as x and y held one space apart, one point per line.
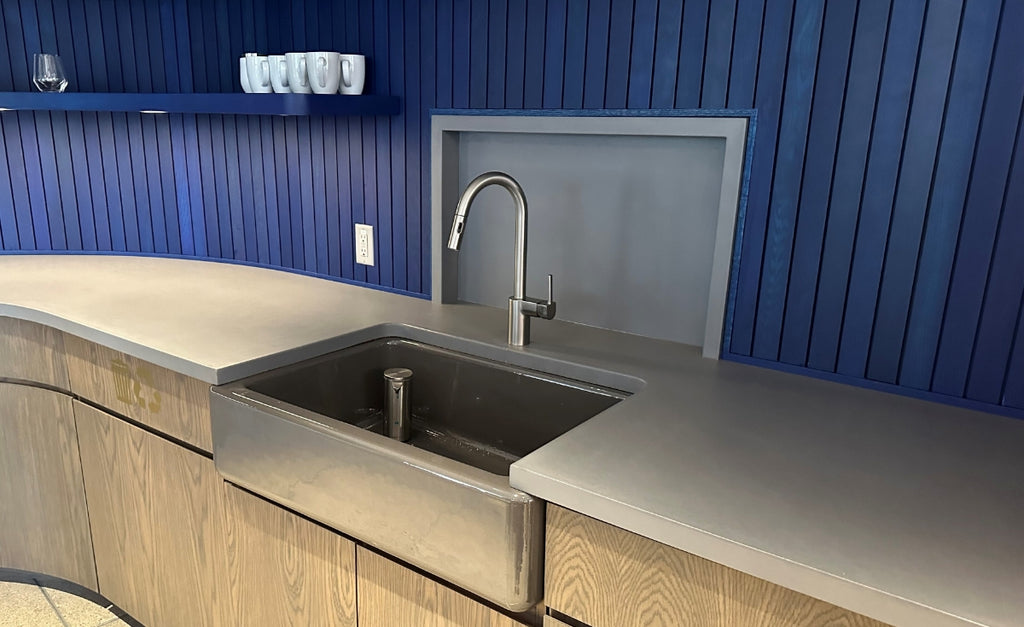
520 308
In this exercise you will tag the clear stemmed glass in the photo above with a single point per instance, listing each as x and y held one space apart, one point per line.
48 74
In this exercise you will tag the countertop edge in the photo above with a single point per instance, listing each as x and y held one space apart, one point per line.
178 364
775 569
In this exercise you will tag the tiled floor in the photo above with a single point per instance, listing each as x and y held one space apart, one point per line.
29 605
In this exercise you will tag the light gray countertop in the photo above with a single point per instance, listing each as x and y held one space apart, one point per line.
907 511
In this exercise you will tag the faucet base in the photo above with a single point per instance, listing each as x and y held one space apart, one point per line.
518 323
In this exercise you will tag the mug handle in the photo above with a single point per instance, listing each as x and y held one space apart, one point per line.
321 71
282 71
346 72
264 72
303 77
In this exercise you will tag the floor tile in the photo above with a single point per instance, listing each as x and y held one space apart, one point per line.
23 605
78 612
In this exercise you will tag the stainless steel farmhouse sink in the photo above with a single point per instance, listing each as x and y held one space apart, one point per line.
309 436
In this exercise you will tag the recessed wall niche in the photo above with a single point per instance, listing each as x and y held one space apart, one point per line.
635 216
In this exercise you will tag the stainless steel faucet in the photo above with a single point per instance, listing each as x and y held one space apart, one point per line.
520 307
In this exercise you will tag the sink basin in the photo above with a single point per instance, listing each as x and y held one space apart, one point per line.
468 409
309 436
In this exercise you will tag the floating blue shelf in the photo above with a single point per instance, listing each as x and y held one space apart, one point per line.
236 104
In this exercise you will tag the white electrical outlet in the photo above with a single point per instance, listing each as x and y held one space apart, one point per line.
364 244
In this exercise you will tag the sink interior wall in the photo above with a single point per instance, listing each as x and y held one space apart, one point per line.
509 408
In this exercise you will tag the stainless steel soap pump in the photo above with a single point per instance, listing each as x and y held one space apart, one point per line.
397 387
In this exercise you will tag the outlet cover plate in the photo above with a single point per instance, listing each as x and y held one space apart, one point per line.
364 244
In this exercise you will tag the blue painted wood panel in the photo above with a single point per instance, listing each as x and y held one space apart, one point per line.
816 185
848 184
881 239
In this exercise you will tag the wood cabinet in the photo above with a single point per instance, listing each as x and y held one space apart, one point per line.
157 521
44 523
283 569
32 352
391 594
167 401
608 577
550 621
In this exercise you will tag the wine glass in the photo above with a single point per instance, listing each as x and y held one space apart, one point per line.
49 73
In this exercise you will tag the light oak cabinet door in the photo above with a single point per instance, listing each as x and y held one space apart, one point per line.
44 523
391 595
157 522
167 401
609 577
283 569
32 352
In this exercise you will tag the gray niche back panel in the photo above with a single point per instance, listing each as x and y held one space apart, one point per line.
635 218
627 227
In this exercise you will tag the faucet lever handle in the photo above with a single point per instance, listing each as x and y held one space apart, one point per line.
551 289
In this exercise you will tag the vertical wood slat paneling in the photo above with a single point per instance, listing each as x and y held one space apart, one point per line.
717 54
873 141
985 199
666 54
956 150
768 101
406 249
1002 306
942 23
819 168
789 162
620 32
393 250
851 163
1013 384
888 132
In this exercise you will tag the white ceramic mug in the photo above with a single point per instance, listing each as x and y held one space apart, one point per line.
258 68
243 75
353 73
298 81
279 73
324 70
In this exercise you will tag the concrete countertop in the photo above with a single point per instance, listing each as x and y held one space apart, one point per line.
903 510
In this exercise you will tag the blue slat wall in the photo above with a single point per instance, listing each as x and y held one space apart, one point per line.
886 199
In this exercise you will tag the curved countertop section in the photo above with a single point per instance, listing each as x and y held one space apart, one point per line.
904 510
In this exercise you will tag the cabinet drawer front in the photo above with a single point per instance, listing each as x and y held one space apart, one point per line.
32 352
44 526
283 569
608 577
391 594
152 395
157 521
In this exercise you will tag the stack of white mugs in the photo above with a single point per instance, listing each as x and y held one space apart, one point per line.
302 73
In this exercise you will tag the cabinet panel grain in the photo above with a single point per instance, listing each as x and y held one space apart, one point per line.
554 622
168 401
32 352
283 569
44 523
156 511
608 577
391 594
